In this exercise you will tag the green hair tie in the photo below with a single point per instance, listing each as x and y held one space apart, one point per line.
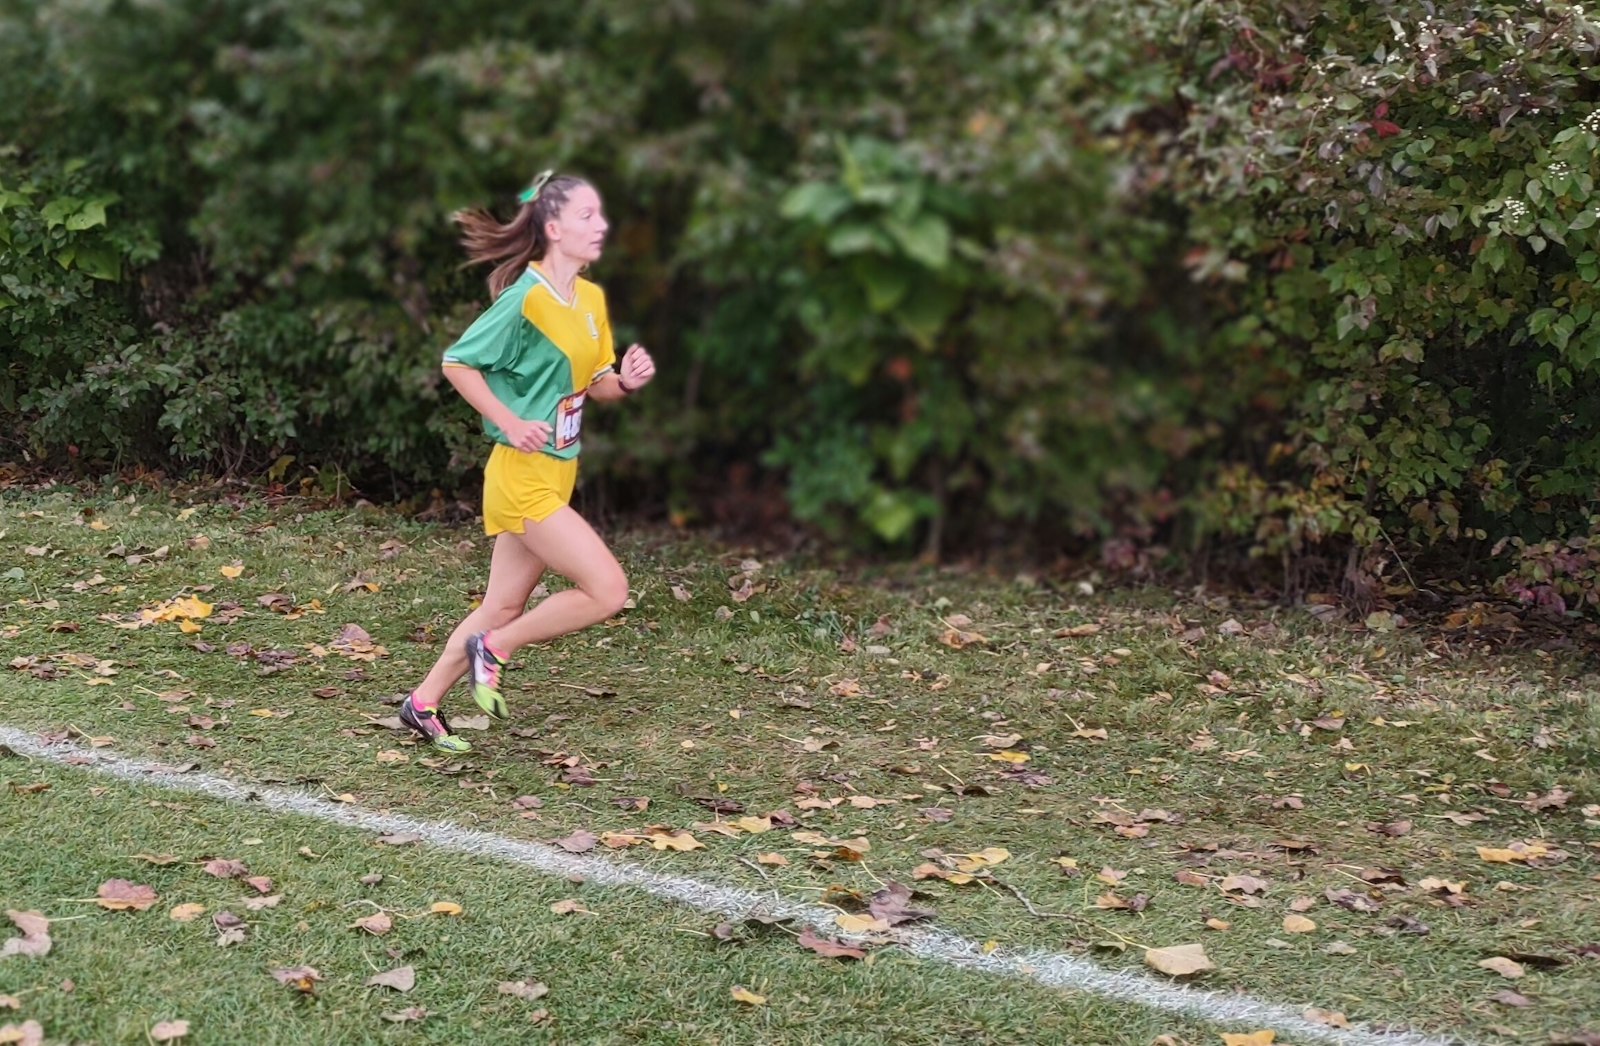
531 193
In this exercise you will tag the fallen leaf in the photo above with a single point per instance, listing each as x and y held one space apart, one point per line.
257 904
1078 631
120 895
410 1013
525 990
570 906
28 1033
985 858
401 979
1298 924
445 908
754 825
1247 884
1512 854
680 840
1503 966
169 1031
400 839
773 860
225 869
1179 961
376 924
749 998
1218 925
1255 1038
35 940
1332 1018
578 842
260 883
301 978
184 913
1507 997
828 948
859 924
1014 758
232 572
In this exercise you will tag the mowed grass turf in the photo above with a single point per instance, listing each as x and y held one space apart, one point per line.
1142 770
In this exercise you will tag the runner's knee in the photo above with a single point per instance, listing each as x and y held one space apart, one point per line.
611 593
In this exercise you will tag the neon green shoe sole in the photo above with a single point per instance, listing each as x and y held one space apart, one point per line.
490 701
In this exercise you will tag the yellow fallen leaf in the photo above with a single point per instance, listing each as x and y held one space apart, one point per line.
1069 864
99 524
1332 1018
1180 960
232 571
1255 1038
775 860
1298 924
1015 758
749 998
990 947
617 840
186 912
862 924
1097 734
680 840
188 627
263 713
1218 924
985 858
1503 966
754 825
1515 852
570 906
445 908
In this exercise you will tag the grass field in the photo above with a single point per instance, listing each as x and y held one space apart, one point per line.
1396 829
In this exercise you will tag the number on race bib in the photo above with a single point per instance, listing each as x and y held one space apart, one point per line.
569 420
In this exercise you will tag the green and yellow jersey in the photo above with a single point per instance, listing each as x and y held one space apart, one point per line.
539 354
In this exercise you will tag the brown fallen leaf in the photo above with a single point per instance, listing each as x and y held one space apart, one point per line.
445 908
680 841
119 895
524 989
1507 997
570 906
578 842
829 948
1246 884
1255 1038
1180 960
184 913
892 904
773 860
376 924
401 979
169 1031
225 869
35 940
1078 631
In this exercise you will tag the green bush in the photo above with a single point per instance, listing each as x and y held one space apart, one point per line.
1313 284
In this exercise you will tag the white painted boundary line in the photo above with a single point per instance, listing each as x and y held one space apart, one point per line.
1052 969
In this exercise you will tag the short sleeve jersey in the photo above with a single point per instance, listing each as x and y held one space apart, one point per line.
539 354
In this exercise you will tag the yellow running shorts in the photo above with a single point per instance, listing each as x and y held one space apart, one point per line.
519 486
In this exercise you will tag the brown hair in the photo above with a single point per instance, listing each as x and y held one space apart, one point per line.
522 240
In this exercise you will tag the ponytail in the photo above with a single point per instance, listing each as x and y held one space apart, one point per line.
515 244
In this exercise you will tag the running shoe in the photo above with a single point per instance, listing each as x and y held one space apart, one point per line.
484 666
431 725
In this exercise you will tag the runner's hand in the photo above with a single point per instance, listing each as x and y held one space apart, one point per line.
529 436
637 368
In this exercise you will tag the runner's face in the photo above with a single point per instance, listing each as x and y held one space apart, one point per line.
579 231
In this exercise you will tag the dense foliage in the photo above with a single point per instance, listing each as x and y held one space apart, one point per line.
1311 282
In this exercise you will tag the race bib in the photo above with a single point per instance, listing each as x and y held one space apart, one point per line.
569 420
